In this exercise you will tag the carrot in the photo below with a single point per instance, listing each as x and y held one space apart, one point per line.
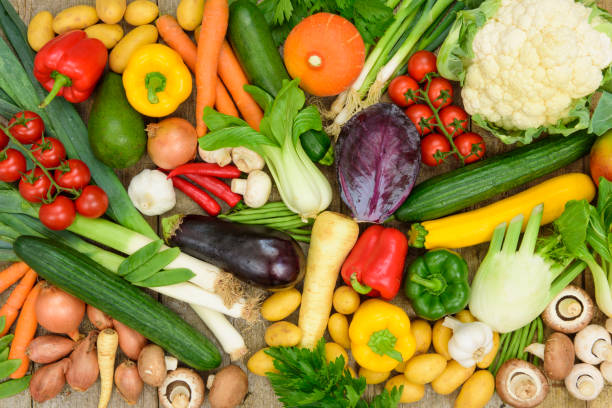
224 102
107 348
212 34
24 332
333 236
12 274
16 299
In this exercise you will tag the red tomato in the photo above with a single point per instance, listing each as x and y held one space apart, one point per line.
12 165
398 89
4 140
454 119
34 185
58 215
49 153
422 117
31 131
76 175
430 146
92 202
440 92
421 64
471 146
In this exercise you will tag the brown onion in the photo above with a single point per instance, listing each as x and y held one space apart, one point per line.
172 142
59 312
98 318
49 380
130 341
49 348
128 382
84 370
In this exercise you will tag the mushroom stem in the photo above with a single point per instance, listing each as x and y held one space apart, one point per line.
537 349
585 385
603 350
523 386
171 363
606 371
180 397
570 307
609 325
239 186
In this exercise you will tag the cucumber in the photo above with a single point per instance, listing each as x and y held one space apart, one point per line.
80 276
453 191
116 130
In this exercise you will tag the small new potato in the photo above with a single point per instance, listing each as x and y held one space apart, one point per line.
338 327
40 30
109 34
410 393
451 378
373 377
476 391
333 351
424 368
465 316
110 11
421 330
281 304
120 55
488 358
260 363
74 18
441 335
283 334
345 300
141 12
189 14
400 367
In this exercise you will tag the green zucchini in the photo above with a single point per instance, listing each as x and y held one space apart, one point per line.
453 191
97 286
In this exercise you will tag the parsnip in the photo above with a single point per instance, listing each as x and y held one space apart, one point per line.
108 340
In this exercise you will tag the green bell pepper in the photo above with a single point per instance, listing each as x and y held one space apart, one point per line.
437 284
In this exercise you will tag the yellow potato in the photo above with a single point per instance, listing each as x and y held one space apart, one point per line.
410 393
75 18
40 30
109 34
421 330
440 338
281 304
488 359
283 334
451 378
120 55
339 330
424 368
333 351
476 391
353 373
110 11
400 367
465 316
189 14
345 300
260 363
373 377
141 12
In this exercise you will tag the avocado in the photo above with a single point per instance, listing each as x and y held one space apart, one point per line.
116 131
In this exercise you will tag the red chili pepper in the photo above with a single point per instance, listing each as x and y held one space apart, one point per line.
201 198
376 264
216 187
206 169
70 66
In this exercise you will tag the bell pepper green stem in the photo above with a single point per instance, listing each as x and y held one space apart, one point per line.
154 82
383 342
61 81
358 286
436 284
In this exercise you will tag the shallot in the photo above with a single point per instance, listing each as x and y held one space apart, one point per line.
49 380
49 348
130 341
98 318
128 382
59 312
84 370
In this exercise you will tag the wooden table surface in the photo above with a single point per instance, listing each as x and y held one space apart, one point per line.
261 394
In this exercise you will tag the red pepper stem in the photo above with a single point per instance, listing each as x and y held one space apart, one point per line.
358 286
61 81
435 285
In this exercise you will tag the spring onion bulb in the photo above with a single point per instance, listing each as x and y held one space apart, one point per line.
230 339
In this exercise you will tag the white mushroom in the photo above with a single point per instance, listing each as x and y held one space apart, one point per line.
585 382
521 384
570 311
609 325
557 354
220 156
153 365
606 371
247 160
592 344
255 189
182 388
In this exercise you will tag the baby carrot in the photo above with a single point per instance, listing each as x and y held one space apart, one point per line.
16 299
12 274
24 332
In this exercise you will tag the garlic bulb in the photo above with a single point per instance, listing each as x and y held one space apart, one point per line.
152 192
470 343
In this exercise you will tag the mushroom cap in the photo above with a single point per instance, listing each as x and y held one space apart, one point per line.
229 388
521 384
555 318
585 341
558 356
185 377
582 372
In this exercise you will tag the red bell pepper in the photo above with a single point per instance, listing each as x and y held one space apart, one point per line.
376 264
70 66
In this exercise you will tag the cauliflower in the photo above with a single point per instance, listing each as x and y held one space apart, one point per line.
530 65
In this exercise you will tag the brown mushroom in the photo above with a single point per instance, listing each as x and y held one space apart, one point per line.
592 344
557 354
570 311
585 382
228 387
182 388
521 384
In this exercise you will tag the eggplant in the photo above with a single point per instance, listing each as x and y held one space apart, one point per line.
258 255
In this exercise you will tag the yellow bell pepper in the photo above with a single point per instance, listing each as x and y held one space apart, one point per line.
156 80
380 336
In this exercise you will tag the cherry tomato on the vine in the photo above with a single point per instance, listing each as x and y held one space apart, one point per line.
471 146
75 175
31 131
432 144
4 140
57 215
92 202
421 63
49 153
34 186
398 90
440 92
12 165
422 117
454 119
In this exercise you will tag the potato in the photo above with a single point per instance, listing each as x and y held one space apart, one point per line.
345 300
424 368
189 14
421 330
40 30
339 330
476 391
410 393
110 11
74 18
260 363
281 304
373 377
283 334
120 55
465 316
400 367
451 378
141 12
353 373
440 338
333 351
488 359
109 34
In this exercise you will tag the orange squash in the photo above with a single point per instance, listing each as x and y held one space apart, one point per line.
326 52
